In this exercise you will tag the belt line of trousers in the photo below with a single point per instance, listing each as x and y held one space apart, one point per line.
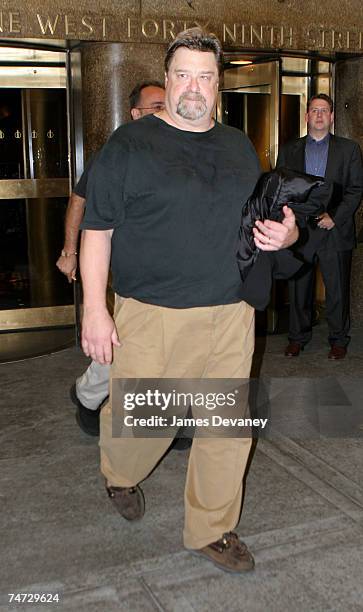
203 342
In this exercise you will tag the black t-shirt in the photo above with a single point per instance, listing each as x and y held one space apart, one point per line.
174 199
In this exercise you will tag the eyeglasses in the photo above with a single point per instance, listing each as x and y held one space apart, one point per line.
316 111
156 107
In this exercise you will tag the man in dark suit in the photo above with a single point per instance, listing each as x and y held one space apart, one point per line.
332 234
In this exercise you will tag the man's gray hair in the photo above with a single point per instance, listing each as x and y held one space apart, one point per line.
195 39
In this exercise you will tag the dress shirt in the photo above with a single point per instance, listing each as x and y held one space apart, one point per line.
316 155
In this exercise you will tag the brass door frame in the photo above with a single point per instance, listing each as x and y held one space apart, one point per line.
35 317
15 189
20 319
50 316
26 77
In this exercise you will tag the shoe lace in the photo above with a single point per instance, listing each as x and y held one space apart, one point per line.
230 538
112 491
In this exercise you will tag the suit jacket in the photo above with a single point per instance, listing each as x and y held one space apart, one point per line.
344 171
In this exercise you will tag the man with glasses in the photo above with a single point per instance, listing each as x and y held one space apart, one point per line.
332 234
91 389
146 98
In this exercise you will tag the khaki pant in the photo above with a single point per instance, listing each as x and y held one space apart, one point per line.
208 342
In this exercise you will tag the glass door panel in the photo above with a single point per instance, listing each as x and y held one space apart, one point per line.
34 189
11 142
249 100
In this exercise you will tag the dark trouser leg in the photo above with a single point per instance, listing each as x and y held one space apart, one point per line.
301 293
335 269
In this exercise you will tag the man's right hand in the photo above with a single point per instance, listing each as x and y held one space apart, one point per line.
99 335
68 265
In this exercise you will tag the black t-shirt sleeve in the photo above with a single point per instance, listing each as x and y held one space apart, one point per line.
105 205
80 188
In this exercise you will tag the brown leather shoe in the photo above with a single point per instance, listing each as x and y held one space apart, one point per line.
229 554
337 352
293 349
129 502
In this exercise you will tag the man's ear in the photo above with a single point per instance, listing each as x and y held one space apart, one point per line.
135 114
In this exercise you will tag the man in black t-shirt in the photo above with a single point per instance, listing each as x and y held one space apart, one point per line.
164 201
91 389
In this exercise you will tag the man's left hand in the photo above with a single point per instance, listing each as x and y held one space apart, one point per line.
273 236
68 265
325 222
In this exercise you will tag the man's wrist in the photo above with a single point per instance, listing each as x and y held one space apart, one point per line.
65 253
90 308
